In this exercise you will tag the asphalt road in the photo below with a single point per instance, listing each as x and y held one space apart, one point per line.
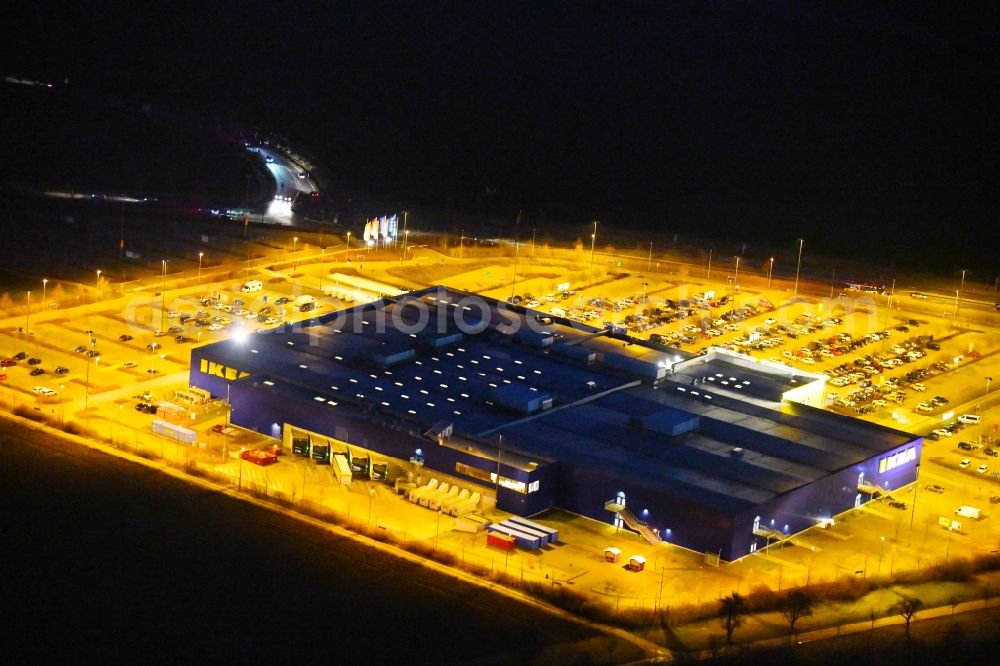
108 561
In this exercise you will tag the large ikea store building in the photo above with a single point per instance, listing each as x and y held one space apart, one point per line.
717 452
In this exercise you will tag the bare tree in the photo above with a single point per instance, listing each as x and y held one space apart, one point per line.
907 607
733 608
795 606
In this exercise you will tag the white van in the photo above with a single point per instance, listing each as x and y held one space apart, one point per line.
969 419
966 511
252 286
559 312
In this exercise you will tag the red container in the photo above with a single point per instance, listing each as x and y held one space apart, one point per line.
501 541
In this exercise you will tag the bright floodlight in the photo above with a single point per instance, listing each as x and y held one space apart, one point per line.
240 335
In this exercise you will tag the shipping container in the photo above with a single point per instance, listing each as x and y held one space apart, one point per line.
501 541
551 535
524 540
174 432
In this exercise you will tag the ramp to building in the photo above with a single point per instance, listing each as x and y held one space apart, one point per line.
355 282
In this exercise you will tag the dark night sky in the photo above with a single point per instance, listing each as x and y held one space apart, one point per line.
869 128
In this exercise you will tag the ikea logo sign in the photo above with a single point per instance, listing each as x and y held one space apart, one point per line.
219 370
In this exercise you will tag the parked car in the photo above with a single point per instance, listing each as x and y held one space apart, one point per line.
934 488
20 356
37 371
62 370
124 337
897 504
33 361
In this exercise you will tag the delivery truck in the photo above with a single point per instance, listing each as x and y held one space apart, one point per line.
966 511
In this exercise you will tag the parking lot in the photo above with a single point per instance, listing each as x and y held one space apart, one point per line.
890 363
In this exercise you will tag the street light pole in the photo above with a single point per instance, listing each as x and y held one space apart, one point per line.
649 261
496 503
86 381
437 532
27 311
593 240
371 493
406 230
163 292
513 279
958 302
833 278
348 245
798 266
709 275
45 283
322 267
97 284
770 269
988 380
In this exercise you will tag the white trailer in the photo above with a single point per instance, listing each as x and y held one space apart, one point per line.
342 469
436 501
442 490
467 506
448 503
417 493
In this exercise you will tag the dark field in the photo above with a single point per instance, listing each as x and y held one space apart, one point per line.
107 562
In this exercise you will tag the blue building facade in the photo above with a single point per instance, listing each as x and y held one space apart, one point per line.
725 468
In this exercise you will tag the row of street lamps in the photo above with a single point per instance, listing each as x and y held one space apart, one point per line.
770 267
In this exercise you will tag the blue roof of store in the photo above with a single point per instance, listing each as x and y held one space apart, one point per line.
384 358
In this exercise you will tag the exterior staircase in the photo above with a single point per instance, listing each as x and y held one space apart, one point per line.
633 523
